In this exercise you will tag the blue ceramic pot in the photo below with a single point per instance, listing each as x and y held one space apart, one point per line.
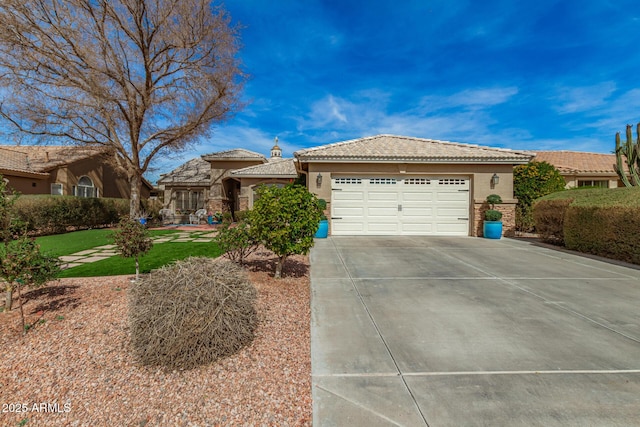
492 229
323 229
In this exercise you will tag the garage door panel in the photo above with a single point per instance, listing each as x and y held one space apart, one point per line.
453 212
458 196
417 228
355 211
382 227
375 196
348 228
351 196
414 196
451 228
425 212
383 213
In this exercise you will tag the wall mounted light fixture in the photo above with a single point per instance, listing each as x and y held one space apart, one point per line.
495 179
319 180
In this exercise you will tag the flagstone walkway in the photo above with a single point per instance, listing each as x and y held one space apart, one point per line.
106 251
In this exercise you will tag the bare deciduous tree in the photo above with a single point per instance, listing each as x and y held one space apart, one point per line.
141 78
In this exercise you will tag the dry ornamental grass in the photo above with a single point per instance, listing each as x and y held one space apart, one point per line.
76 366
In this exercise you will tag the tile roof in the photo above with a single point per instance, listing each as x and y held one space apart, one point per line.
42 158
278 168
194 172
579 162
235 154
409 149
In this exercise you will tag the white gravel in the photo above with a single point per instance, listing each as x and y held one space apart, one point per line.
75 367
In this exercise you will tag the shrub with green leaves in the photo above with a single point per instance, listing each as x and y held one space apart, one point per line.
285 220
530 182
44 214
132 240
7 201
492 214
236 241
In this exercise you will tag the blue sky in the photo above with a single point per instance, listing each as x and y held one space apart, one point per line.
547 75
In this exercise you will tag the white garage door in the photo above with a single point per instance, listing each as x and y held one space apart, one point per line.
409 205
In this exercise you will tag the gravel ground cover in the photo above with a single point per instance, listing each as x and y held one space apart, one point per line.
75 366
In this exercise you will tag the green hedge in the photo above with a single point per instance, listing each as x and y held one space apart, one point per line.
611 232
549 217
603 222
58 214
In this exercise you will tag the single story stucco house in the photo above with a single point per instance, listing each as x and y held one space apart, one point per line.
64 170
379 185
581 169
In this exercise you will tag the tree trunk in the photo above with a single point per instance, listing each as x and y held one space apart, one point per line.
8 301
279 264
134 201
137 269
24 329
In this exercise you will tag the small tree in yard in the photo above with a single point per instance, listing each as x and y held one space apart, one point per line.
285 220
132 240
531 181
21 263
236 241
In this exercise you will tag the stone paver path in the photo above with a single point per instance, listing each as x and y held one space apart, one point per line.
106 251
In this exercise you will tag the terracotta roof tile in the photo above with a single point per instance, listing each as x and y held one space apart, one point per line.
42 158
235 154
194 172
579 162
409 149
284 168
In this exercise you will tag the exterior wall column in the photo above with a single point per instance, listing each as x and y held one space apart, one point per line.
508 209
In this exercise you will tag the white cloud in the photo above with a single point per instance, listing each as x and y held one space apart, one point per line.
583 98
470 98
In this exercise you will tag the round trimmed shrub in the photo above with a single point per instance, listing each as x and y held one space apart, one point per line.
191 313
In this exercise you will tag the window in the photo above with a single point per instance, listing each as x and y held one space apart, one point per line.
85 188
417 181
56 189
189 200
382 181
451 181
348 181
600 183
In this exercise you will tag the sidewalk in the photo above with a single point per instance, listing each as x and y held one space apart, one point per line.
106 251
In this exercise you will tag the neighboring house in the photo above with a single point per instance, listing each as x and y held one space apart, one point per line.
396 185
63 170
224 181
581 169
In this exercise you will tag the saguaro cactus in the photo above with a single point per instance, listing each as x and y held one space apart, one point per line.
631 152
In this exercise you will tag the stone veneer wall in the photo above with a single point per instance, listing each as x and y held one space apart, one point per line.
508 209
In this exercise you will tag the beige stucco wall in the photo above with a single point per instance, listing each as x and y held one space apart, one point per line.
217 200
479 174
247 186
104 178
572 180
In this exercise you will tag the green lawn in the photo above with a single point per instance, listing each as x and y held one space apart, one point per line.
69 243
159 255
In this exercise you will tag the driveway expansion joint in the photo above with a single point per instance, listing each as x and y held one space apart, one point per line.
384 341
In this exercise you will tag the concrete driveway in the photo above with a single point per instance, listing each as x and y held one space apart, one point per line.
435 331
